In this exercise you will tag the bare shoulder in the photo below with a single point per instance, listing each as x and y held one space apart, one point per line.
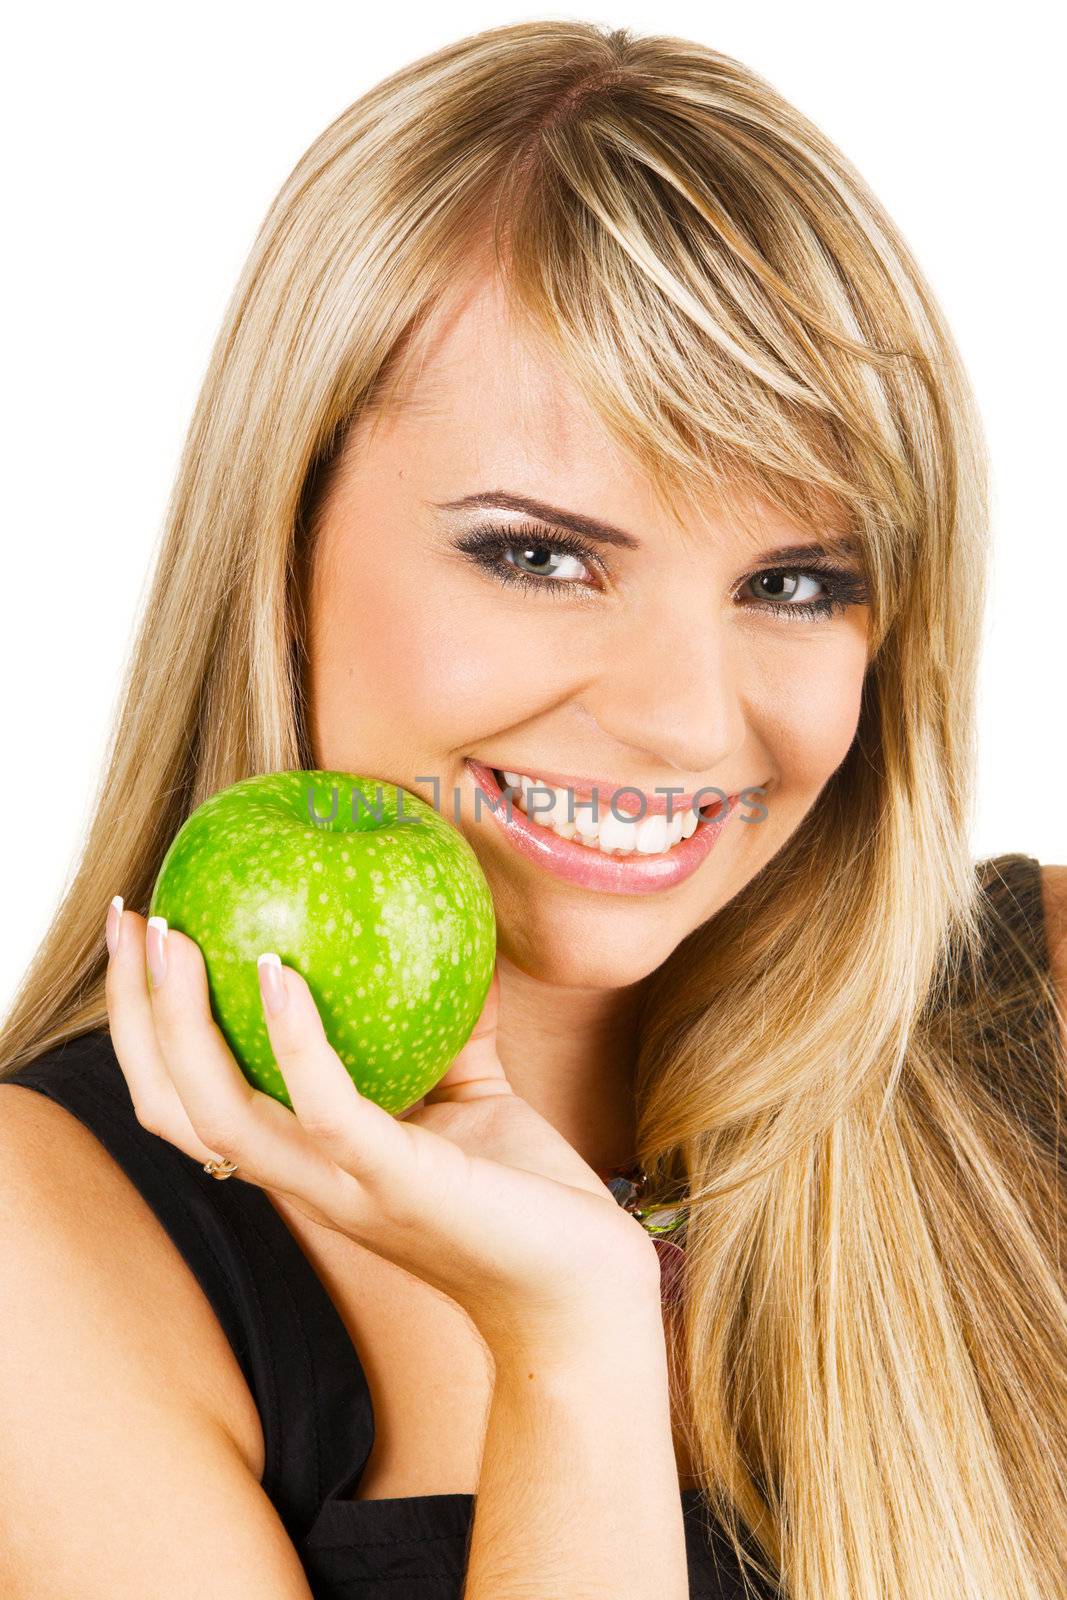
72 1215
120 1472
1054 901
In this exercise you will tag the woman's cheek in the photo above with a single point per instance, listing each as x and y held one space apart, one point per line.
465 665
810 714
426 676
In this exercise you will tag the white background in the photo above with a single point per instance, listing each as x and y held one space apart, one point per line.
143 146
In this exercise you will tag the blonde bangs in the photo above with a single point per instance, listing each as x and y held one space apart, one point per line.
721 354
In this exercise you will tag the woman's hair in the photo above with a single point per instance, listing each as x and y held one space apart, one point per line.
874 1325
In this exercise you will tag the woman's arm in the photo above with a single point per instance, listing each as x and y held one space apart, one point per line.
119 1476
578 1493
482 1198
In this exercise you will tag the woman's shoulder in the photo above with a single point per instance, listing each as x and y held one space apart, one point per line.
83 1198
246 1316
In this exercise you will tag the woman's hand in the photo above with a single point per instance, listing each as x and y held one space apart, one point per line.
472 1191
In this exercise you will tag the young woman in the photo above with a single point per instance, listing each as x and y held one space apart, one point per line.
580 419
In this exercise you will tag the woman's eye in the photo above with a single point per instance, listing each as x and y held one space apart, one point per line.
544 561
531 558
783 592
785 585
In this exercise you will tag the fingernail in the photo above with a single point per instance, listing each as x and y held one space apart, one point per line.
111 924
271 982
156 949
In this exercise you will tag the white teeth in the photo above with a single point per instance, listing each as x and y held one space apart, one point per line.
556 814
587 825
616 834
651 835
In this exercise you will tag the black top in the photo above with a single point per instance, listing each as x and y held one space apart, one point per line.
304 1374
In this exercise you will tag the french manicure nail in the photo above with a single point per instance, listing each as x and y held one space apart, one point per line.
156 949
111 924
271 982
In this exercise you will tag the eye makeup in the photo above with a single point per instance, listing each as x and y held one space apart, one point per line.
488 547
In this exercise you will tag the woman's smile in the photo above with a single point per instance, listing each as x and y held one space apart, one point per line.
598 849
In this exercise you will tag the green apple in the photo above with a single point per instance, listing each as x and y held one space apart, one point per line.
367 891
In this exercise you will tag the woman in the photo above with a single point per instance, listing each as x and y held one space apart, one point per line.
580 419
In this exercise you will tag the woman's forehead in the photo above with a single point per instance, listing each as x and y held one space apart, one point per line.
473 351
475 380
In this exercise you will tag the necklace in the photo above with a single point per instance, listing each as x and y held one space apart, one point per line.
629 1185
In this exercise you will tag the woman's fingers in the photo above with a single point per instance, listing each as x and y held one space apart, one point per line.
234 1119
360 1136
405 1172
156 1102
341 1154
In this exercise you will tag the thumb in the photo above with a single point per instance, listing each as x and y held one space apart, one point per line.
477 1070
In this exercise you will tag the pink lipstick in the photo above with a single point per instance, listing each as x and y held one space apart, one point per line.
590 868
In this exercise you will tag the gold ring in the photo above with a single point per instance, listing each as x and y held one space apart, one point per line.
222 1168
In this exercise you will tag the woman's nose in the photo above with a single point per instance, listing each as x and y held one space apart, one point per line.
674 691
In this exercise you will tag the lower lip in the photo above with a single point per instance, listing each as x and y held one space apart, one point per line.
591 868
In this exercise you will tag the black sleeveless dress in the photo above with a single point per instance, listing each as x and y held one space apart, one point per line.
298 1359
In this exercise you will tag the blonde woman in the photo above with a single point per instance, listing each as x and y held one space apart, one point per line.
579 418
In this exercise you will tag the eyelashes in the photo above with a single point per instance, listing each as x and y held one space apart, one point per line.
488 549
487 546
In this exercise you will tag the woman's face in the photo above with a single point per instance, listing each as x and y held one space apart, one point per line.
662 662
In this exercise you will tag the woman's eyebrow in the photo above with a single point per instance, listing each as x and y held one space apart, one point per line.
836 548
599 532
830 547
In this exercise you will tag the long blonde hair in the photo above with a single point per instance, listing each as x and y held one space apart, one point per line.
874 1326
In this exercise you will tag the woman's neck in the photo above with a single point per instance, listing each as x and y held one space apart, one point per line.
571 1054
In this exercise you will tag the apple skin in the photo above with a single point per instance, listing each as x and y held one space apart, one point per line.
391 924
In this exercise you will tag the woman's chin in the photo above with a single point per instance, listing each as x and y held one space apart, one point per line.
597 962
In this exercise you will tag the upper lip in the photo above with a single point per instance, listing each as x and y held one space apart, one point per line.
605 789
